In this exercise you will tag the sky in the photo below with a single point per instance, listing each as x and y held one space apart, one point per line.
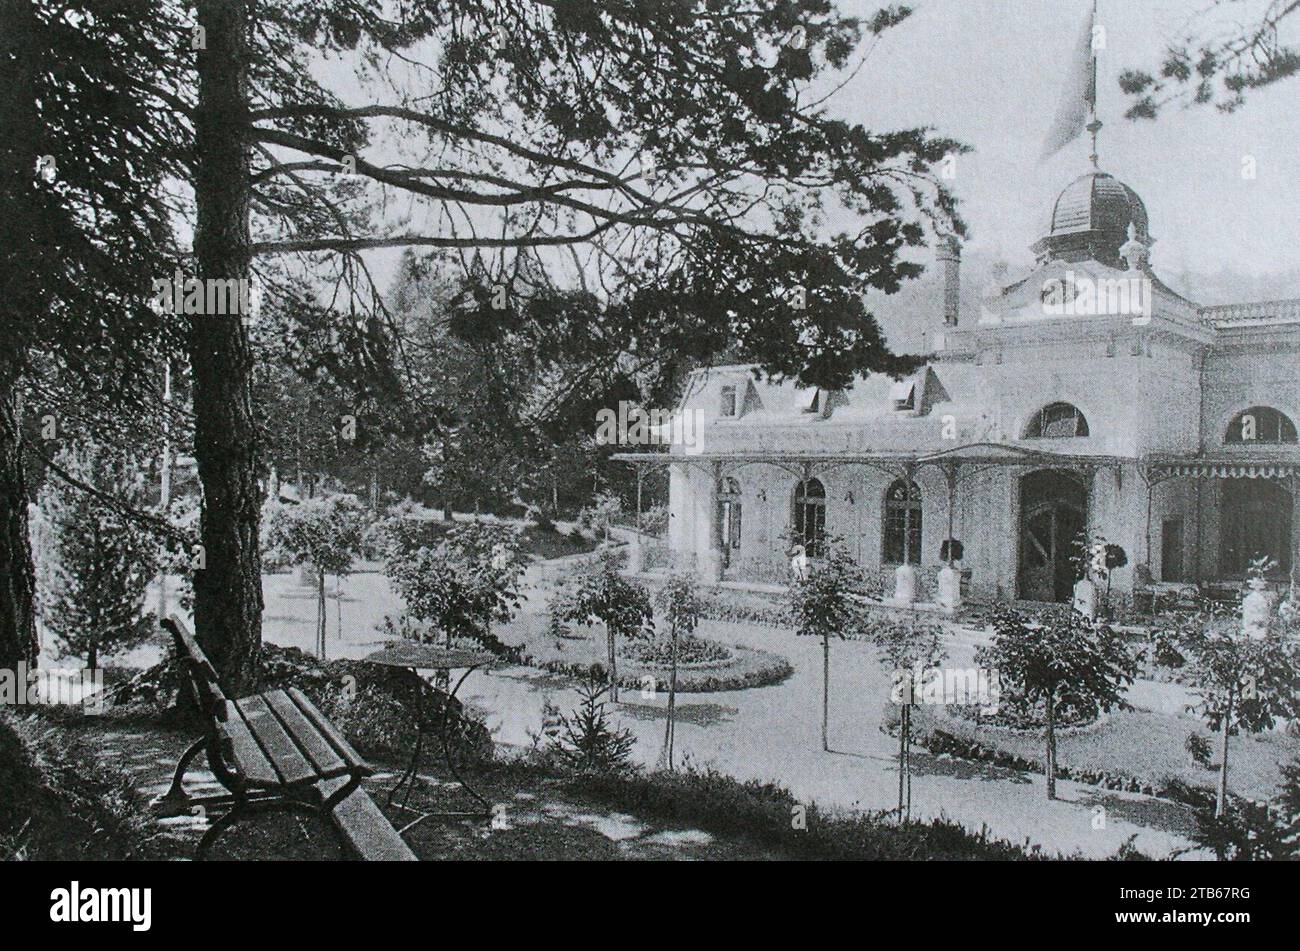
989 73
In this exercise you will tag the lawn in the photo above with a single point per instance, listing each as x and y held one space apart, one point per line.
1141 744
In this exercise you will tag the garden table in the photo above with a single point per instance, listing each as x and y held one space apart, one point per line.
415 658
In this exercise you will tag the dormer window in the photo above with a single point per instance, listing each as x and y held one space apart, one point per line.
1057 421
729 405
903 395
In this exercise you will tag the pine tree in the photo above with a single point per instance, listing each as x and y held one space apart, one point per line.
95 564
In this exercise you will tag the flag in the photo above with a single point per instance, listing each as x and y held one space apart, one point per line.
1078 95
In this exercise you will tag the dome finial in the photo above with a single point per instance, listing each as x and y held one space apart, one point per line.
1133 251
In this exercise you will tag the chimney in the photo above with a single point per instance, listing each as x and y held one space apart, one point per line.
948 254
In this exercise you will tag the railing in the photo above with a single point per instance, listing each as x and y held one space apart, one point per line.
1279 311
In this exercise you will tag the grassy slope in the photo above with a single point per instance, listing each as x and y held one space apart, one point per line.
60 800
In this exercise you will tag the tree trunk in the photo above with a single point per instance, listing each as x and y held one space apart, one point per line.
613 664
20 297
672 697
826 691
320 614
1051 746
92 657
902 756
228 591
907 759
17 574
1221 803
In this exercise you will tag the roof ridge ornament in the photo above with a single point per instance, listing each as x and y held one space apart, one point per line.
1134 251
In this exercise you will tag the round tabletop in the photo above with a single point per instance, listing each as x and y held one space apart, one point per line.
429 656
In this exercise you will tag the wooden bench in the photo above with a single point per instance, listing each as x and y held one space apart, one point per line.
275 752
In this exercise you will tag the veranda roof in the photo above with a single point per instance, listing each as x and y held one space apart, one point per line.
981 454
1264 464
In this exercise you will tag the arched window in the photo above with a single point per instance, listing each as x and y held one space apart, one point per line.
1260 424
1057 421
810 517
729 515
903 523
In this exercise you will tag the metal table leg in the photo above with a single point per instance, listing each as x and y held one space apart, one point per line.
446 751
409 777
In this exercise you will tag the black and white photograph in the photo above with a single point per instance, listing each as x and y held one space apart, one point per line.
649 431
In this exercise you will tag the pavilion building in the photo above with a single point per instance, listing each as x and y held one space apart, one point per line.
1087 399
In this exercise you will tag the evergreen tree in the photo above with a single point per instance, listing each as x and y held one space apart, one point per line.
95 564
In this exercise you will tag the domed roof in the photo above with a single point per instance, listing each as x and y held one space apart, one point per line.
1091 216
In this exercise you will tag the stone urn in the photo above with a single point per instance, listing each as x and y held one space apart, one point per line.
1256 609
949 588
1085 598
905 584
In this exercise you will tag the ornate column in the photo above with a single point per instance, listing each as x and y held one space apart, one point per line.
635 559
905 575
949 582
711 556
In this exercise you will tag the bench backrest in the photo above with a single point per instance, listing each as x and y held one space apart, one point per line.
199 672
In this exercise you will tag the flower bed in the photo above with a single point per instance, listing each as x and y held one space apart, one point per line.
692 651
711 665
743 607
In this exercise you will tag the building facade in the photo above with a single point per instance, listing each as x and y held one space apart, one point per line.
1086 400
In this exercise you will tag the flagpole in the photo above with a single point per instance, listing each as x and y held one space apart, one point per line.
1094 126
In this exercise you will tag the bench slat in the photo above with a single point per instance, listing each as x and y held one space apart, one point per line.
330 732
316 747
246 756
369 834
279 747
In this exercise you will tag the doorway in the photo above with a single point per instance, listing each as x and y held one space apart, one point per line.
1053 514
1171 550
1255 521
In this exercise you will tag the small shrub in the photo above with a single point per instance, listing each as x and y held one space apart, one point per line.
1248 831
1254 831
540 519
586 741
654 521
1198 748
